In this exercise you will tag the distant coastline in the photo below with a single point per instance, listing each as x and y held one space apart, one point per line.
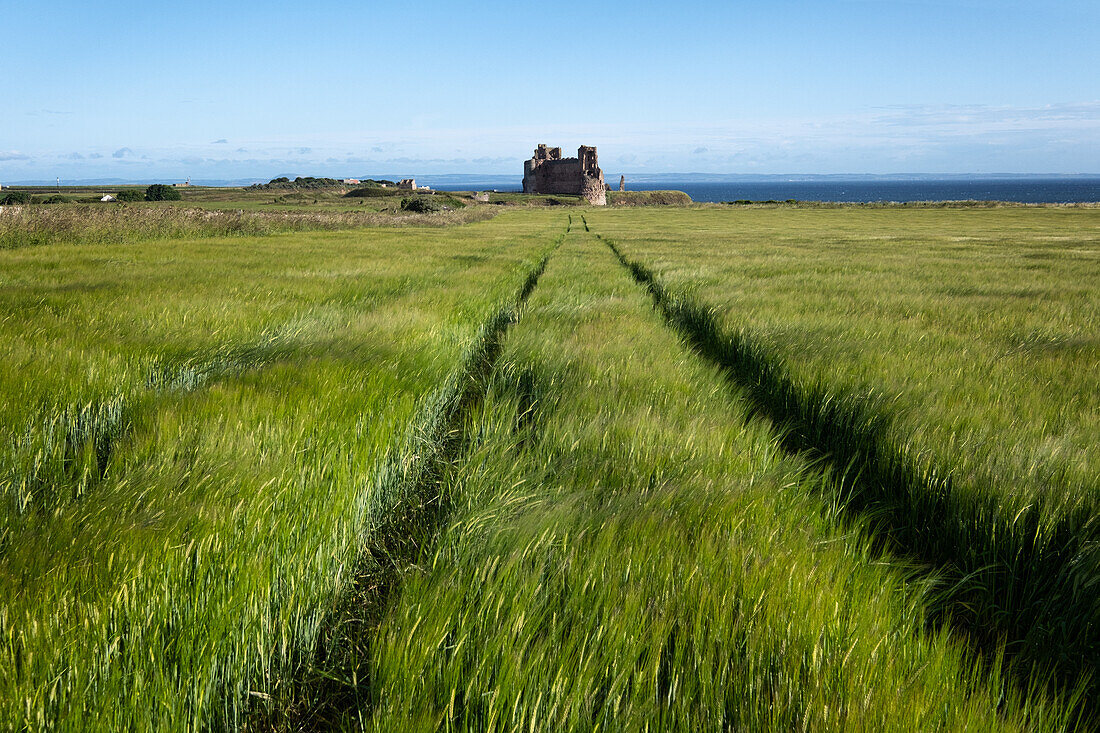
849 188
843 187
1024 190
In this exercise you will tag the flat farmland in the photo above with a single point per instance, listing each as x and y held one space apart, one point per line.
944 360
668 468
194 435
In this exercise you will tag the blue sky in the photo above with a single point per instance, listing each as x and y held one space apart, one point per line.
250 89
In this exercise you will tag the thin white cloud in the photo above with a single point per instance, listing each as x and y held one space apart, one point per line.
914 139
988 115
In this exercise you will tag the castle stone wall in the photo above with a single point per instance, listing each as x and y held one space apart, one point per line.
548 172
557 176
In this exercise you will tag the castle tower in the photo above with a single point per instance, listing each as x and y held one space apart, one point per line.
547 172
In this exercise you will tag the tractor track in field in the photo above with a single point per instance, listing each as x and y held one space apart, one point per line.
401 524
981 553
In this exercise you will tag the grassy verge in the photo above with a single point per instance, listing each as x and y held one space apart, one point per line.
629 550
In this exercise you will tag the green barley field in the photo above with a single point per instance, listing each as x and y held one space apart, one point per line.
549 468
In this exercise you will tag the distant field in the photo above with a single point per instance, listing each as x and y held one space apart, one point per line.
677 468
215 212
42 224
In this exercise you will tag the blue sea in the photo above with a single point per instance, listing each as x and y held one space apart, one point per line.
1031 190
1024 190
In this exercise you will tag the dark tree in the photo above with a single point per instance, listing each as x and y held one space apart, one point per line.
16 197
161 192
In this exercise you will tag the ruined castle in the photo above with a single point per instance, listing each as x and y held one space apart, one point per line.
548 172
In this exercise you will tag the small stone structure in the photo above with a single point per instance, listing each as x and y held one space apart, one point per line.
622 183
548 172
407 184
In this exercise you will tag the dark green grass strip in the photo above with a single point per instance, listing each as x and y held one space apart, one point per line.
1025 577
402 522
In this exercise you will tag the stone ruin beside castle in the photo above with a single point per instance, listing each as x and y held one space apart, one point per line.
548 172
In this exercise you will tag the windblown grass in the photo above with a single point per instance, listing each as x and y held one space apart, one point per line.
402 523
250 393
630 551
331 479
946 360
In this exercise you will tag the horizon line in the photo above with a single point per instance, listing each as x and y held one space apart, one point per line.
229 182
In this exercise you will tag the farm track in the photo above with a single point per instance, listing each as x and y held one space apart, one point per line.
627 549
403 522
504 398
270 530
981 553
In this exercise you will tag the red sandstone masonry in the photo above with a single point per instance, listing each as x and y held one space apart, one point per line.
548 172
